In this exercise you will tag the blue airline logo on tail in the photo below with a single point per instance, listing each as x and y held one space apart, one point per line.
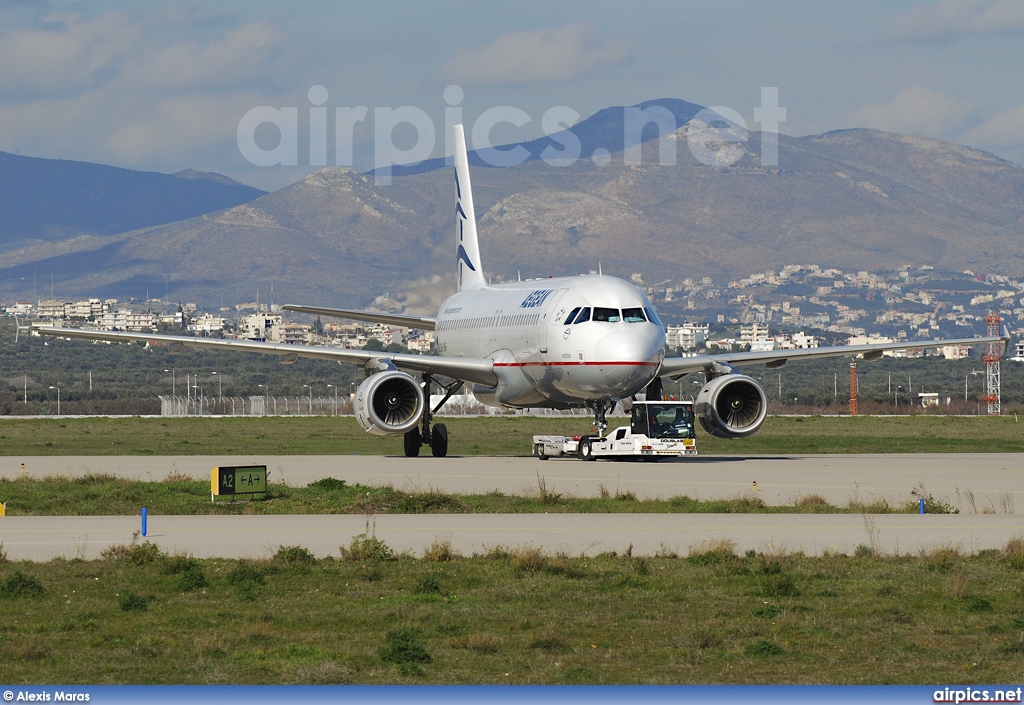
464 257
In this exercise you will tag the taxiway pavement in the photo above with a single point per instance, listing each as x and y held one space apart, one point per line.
255 536
973 483
985 488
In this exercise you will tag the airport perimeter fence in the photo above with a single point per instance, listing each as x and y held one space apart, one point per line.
461 405
254 406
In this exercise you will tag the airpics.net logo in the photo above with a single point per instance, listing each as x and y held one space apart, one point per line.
716 136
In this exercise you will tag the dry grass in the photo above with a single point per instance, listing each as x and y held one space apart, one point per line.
544 494
440 551
480 643
528 558
1013 553
713 551
944 558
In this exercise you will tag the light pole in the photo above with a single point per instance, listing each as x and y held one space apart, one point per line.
172 381
310 397
335 397
58 399
220 386
266 395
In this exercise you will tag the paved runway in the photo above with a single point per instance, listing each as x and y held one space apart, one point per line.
993 481
42 538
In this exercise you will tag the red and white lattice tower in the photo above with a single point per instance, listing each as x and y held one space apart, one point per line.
992 355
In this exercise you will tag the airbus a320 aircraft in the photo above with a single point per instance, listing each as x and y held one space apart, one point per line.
589 340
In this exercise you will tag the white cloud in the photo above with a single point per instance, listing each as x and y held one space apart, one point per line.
192 123
1004 129
954 18
535 56
238 56
114 89
916 111
65 54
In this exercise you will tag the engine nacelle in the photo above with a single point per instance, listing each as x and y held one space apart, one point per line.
731 406
388 403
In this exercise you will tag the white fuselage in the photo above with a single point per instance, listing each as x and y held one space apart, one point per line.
543 353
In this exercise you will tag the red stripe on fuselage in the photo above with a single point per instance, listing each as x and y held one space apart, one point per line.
574 364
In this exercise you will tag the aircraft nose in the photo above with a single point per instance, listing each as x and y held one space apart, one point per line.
632 358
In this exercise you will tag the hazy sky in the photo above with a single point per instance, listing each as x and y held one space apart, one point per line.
161 86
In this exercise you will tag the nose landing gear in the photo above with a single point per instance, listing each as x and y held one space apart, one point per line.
600 407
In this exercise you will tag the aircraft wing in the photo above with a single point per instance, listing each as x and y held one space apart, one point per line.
676 367
479 371
388 319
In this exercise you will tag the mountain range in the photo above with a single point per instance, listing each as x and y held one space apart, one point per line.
852 199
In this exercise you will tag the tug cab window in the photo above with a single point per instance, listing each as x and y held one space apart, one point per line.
609 315
663 421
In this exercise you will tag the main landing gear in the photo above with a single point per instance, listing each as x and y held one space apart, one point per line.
436 437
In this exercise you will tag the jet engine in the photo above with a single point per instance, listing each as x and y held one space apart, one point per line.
731 406
389 403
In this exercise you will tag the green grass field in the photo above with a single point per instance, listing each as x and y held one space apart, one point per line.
503 435
515 616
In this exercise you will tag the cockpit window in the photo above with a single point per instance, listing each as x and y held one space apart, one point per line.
633 315
652 316
611 315
572 315
584 316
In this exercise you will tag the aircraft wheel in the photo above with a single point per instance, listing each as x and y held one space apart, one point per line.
586 451
412 443
439 440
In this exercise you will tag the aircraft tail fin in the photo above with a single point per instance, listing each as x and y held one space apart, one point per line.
18 328
469 272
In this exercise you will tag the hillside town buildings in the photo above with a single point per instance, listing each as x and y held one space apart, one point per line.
799 306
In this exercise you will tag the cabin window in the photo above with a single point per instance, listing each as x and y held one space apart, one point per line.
584 316
633 315
610 315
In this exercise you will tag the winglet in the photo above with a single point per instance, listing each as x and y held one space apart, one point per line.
469 273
